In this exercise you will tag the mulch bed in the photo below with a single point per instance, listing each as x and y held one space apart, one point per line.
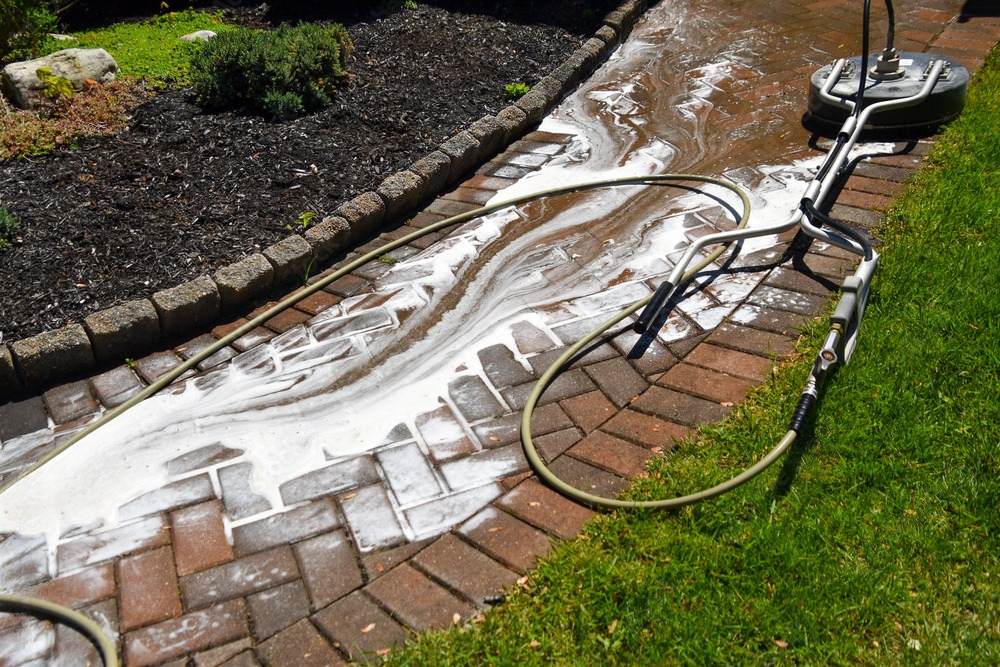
184 192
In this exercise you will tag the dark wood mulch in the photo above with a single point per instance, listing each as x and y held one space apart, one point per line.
184 192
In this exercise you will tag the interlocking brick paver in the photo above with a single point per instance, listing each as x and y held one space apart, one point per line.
190 633
151 368
294 525
484 467
679 408
69 402
330 480
116 386
378 562
588 411
371 518
502 368
544 508
275 609
586 477
199 537
705 383
613 454
416 600
220 655
188 491
238 578
473 399
238 494
329 567
79 589
645 430
570 383
360 627
148 589
731 362
21 417
617 379
444 435
509 540
432 517
409 474
465 569
752 341
133 538
301 645
23 561
552 445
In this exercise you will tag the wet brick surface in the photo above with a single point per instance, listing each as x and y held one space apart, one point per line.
348 560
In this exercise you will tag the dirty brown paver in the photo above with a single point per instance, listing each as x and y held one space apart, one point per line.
228 577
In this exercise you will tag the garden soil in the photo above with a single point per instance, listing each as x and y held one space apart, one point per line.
183 192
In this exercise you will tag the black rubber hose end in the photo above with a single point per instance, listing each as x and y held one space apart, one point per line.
801 414
653 308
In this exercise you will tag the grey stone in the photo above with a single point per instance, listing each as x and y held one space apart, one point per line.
633 9
328 237
123 331
62 38
240 282
290 257
534 105
617 19
198 36
465 153
187 307
514 122
550 88
434 169
364 214
20 80
53 355
10 384
569 73
401 192
594 51
608 35
489 133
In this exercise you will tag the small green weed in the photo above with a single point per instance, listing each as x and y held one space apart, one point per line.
516 90
9 227
304 221
387 259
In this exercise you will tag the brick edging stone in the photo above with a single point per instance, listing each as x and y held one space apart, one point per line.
135 327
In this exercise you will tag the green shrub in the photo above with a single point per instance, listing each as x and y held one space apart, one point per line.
281 73
24 25
8 229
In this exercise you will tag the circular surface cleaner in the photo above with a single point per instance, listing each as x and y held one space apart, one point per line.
944 102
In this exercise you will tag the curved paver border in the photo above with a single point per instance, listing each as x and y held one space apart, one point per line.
135 327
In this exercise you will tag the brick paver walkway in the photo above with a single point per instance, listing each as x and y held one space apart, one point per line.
351 558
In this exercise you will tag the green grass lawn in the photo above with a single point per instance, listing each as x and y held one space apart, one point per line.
874 541
150 49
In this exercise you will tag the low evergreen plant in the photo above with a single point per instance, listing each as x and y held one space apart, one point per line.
281 73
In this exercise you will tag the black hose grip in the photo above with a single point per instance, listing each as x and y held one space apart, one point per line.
653 308
801 414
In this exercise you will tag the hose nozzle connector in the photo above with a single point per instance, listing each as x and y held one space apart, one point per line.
887 67
655 305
